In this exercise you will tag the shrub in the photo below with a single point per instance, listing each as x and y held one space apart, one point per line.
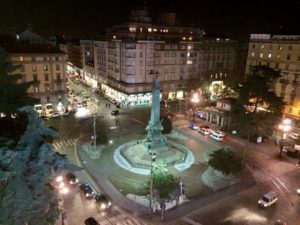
225 160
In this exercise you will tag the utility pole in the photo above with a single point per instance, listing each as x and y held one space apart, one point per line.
95 135
153 156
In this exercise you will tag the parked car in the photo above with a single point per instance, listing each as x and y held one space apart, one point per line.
268 199
203 131
91 221
216 136
115 113
193 126
102 201
65 113
55 115
71 178
219 133
87 190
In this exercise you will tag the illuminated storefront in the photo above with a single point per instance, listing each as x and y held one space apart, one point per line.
215 89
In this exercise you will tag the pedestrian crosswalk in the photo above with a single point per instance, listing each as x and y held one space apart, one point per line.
121 219
63 144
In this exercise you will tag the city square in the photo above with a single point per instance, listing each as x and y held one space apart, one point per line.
150 113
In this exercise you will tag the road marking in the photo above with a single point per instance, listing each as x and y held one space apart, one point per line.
190 221
138 121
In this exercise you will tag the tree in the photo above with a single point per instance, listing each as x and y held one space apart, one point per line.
163 181
167 125
257 108
13 94
27 195
225 160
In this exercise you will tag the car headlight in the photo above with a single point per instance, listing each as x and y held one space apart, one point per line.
265 205
103 205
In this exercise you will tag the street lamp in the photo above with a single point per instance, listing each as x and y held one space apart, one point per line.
153 157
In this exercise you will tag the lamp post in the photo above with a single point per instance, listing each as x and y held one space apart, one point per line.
95 135
153 157
285 127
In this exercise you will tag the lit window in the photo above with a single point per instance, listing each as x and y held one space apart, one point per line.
18 37
21 58
218 39
190 47
141 29
269 55
261 55
278 56
114 37
149 29
279 47
188 54
183 38
189 62
132 29
190 38
154 30
262 46
166 30
252 54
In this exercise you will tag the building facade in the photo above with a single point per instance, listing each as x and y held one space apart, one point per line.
74 57
45 66
124 65
280 52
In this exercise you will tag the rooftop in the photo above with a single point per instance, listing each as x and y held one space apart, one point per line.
18 47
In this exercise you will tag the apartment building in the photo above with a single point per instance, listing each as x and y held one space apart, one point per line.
45 65
124 64
74 57
280 52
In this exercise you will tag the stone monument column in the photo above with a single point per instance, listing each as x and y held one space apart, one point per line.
155 141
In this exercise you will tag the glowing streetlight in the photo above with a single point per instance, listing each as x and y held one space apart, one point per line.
195 98
285 127
59 179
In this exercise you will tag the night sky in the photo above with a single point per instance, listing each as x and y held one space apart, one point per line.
90 17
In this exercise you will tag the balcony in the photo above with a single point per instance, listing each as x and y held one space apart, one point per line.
284 81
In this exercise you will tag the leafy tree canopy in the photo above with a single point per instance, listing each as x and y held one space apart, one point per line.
225 160
258 107
163 181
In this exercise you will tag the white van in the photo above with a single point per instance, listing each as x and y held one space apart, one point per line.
216 136
38 108
268 199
